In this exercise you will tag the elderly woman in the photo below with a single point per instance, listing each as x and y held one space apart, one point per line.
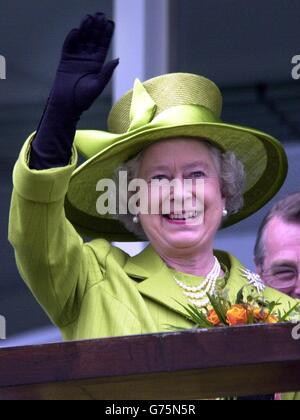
166 128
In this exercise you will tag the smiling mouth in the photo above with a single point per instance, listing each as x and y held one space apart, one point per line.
183 216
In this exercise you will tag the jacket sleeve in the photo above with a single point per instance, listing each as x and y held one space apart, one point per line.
51 256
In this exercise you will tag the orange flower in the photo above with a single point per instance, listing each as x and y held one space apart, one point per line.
237 315
263 315
213 318
260 314
272 319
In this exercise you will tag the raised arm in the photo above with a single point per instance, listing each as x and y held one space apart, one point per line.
81 77
51 257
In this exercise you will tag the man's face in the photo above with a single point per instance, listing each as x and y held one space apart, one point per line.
281 269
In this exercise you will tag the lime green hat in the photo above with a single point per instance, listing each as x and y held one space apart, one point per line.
168 106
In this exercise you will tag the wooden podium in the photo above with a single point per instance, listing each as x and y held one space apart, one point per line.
196 364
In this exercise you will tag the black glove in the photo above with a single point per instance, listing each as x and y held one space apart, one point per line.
81 77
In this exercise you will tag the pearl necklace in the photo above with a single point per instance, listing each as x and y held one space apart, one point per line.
198 294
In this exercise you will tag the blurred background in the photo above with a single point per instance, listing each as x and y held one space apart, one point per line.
246 47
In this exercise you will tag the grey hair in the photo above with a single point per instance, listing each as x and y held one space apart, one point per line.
287 209
230 170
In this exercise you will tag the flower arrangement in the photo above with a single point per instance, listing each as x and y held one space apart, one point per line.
249 308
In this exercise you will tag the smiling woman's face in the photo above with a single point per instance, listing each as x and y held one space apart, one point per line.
182 159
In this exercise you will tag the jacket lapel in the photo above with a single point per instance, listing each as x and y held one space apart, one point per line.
154 279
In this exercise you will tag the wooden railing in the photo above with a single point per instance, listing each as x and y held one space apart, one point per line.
238 361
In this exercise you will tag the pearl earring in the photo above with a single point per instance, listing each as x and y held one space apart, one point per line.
225 213
136 219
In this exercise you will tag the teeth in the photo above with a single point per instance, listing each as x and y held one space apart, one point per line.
188 215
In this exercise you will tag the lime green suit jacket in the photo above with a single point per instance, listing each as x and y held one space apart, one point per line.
94 289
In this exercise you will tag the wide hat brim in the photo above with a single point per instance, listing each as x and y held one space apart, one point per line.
263 156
